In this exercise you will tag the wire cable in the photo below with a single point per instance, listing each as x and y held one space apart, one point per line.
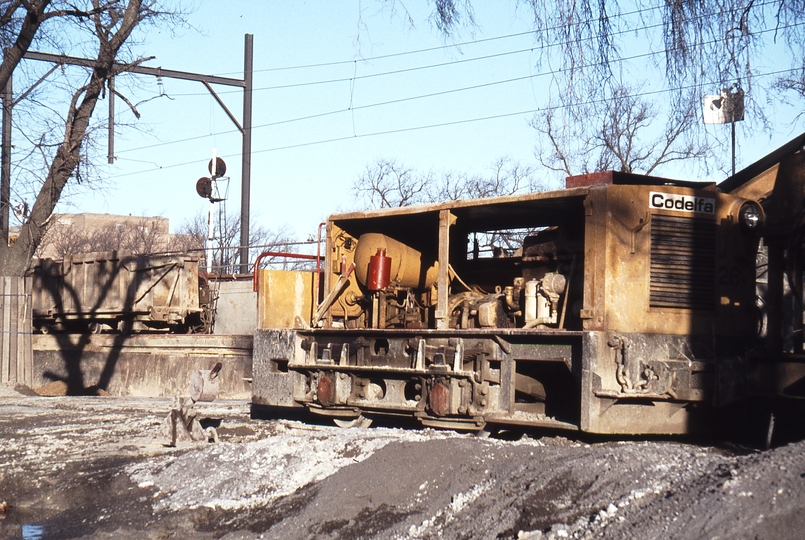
422 96
438 125
473 59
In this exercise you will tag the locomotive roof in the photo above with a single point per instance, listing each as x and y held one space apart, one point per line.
537 208
492 211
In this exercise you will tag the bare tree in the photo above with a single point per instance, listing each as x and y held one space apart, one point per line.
388 184
65 240
621 140
507 177
683 48
191 237
110 24
702 39
792 86
138 235
110 237
145 237
184 242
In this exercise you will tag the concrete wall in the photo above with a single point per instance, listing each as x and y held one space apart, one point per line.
156 365
237 308
142 365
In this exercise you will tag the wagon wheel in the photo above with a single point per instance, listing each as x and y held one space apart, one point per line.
45 328
125 326
359 422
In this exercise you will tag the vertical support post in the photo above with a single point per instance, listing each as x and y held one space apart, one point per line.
208 252
774 301
733 146
246 168
446 219
5 167
110 154
795 255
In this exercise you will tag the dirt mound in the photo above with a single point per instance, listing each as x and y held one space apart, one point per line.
61 388
93 468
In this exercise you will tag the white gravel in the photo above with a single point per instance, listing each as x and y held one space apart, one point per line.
231 476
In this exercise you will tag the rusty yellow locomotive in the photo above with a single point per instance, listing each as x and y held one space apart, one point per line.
623 304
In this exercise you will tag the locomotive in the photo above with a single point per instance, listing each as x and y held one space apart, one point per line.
623 304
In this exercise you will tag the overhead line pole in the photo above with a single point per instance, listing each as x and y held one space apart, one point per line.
143 70
207 80
246 154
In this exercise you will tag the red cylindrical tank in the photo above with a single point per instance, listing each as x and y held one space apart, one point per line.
379 271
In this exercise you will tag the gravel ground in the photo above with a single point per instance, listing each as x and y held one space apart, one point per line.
95 467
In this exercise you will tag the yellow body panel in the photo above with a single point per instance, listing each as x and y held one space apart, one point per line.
285 298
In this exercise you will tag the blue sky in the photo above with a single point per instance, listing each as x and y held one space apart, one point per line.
350 49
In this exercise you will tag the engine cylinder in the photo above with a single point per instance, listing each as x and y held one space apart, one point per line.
531 300
407 268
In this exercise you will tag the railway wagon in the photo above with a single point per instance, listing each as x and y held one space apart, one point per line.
624 304
121 291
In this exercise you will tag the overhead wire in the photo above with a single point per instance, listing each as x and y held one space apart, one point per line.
458 61
477 41
423 96
431 49
440 124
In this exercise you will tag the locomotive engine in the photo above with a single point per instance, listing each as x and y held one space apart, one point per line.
623 304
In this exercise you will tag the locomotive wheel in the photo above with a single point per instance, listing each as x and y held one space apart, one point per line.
486 432
345 417
359 422
455 424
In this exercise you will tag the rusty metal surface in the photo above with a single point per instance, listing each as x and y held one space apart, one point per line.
205 383
116 286
600 308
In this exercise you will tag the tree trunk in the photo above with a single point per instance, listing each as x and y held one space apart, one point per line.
15 260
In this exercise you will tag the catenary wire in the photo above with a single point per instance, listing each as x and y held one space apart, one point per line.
437 125
461 61
474 42
411 98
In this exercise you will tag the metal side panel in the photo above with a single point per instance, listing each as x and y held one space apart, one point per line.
604 410
273 383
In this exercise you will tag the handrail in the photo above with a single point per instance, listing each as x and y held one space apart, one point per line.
280 254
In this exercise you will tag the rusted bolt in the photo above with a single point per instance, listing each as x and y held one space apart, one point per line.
462 410
362 394
482 390
417 386
483 402
342 376
417 397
